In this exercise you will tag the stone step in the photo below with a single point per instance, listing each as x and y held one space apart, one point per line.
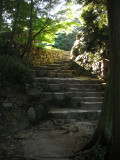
84 94
81 90
54 73
83 86
89 96
67 80
76 114
52 67
88 99
65 61
65 92
86 105
69 87
60 98
84 97
59 63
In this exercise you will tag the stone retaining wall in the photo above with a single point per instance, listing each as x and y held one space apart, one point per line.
98 66
39 57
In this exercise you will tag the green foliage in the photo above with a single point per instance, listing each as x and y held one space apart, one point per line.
13 71
46 20
95 28
64 41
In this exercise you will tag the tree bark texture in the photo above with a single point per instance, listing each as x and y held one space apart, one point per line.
1 12
114 30
29 42
14 23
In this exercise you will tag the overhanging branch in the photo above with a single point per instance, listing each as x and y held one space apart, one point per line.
45 26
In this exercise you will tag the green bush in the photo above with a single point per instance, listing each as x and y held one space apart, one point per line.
14 71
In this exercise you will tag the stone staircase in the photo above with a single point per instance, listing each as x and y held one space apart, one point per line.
67 96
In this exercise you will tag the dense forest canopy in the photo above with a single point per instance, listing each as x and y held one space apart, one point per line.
53 22
42 18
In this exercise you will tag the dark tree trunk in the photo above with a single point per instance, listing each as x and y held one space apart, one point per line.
108 130
29 42
14 24
114 30
1 12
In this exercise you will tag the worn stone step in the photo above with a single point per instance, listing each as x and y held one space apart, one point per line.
63 95
60 75
39 72
88 99
79 102
76 114
83 86
87 103
65 61
81 90
85 96
90 105
59 67
69 87
53 65
62 87
67 80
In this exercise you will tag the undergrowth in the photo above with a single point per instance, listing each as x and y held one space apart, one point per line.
13 71
96 153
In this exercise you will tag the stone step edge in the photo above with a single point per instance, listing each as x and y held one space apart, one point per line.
80 115
65 80
66 95
64 111
78 79
72 84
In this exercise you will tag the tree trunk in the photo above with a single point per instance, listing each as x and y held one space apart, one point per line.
114 30
1 11
14 23
29 42
108 130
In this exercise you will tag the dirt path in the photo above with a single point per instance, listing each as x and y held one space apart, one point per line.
51 140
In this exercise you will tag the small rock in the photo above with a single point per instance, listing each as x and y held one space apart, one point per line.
7 104
32 114
37 113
